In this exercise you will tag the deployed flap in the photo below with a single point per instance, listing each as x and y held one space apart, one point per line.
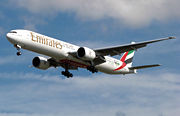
117 50
144 66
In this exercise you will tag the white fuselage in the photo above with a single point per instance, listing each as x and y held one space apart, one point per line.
60 50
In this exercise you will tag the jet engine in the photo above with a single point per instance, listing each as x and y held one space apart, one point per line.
41 63
86 54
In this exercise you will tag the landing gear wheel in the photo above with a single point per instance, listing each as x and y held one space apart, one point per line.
92 69
18 53
70 75
67 74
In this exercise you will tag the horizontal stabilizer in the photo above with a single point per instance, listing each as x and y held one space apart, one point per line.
144 66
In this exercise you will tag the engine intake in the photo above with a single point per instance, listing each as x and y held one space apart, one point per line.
86 53
41 63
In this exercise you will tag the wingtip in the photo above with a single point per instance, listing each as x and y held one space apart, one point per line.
156 65
172 37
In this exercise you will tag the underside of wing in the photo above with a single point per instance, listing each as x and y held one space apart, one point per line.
117 50
64 64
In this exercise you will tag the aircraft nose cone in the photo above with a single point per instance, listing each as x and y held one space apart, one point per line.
8 36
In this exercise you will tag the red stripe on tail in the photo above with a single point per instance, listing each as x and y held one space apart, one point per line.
124 57
122 66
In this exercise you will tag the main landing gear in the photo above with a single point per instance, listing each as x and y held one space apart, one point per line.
67 74
92 69
18 47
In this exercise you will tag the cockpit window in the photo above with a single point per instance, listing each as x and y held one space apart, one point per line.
12 32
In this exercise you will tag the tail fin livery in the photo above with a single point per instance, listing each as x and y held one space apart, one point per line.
128 58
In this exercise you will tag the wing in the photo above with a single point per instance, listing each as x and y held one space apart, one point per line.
117 50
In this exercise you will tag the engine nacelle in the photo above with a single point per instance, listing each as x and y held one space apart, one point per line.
41 63
86 53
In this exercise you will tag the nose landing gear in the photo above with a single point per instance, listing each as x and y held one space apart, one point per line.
18 53
18 47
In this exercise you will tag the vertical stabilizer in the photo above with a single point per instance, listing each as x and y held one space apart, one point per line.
128 58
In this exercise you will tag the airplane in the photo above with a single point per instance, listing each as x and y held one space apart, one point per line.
72 57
